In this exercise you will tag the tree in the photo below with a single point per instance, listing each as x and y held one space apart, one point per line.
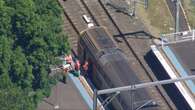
20 72
31 37
5 20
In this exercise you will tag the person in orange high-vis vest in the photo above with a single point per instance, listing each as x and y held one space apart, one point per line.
85 66
77 65
76 71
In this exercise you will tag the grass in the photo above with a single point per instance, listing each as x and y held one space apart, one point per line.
189 7
157 17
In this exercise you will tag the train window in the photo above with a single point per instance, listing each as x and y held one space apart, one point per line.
101 53
82 42
90 67
100 79
119 49
84 54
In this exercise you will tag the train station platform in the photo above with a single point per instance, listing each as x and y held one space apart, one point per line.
176 55
76 94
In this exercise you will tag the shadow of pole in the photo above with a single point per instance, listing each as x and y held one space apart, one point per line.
138 35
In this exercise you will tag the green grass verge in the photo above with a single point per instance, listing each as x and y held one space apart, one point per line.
189 7
157 17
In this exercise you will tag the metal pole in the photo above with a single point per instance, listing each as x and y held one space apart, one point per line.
162 40
95 100
148 102
131 9
129 4
133 13
144 85
193 36
111 99
177 15
132 96
145 4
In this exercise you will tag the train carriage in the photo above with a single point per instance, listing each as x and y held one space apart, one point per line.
108 65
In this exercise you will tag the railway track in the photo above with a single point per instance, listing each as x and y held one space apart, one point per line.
101 15
74 23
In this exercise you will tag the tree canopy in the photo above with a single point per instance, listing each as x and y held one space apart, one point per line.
31 36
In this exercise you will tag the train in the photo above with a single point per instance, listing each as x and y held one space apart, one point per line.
109 67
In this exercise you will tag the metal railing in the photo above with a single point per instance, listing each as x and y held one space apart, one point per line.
178 37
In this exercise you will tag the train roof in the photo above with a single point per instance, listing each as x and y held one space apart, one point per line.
118 71
98 38
118 66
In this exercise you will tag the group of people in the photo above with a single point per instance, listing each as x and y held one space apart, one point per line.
73 66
